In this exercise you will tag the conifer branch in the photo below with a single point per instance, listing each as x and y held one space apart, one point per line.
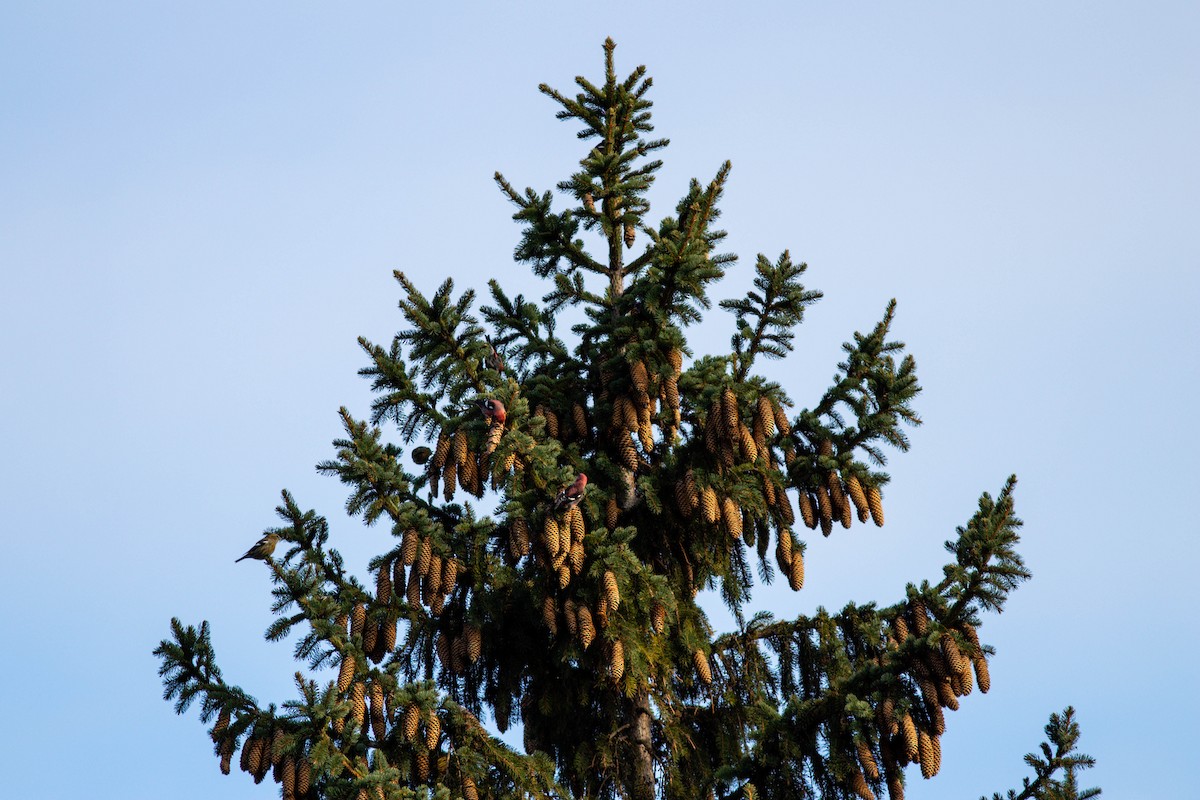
1058 754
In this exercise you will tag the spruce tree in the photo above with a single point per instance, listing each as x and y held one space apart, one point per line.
570 607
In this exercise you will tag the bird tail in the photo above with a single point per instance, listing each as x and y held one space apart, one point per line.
243 558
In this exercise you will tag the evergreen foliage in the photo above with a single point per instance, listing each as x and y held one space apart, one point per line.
577 617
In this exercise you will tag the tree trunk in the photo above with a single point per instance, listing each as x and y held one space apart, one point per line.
641 749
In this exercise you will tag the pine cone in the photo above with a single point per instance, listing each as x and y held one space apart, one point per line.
629 456
703 670
450 476
639 376
616 660
587 630
708 505
424 556
226 751
945 694
434 574
303 776
579 415
658 617
629 235
612 513
858 784
442 645
875 503
954 657
765 414
571 615
469 790
796 573
254 750
518 538
421 764
895 784
220 725
564 576
358 620
564 544
575 522
645 432
378 720
857 496
732 517
387 637
982 676
442 451
675 359
783 551
887 717
747 445
729 411
919 616
495 433
550 615
412 592
930 755
409 544
433 730
370 641
807 513
358 703
550 537
911 740
449 574
345 673
687 496
824 510
612 596
629 412
410 721
671 393
576 558
900 626
468 475
781 420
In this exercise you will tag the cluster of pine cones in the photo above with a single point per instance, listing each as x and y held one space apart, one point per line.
267 749
583 623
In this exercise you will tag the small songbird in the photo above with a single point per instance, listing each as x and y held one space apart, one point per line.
493 361
493 410
570 496
263 548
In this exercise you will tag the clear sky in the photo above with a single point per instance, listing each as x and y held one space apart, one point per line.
201 205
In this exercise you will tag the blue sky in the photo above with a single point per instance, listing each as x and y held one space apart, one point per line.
201 206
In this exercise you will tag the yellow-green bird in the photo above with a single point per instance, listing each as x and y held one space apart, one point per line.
263 548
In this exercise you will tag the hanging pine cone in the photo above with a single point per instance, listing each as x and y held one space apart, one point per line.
639 376
564 544
442 645
576 558
434 574
421 764
398 581
982 676
370 641
387 637
252 753
441 452
946 694
378 722
587 629
518 538
911 740
226 752
616 660
807 512
796 573
783 552
345 673
729 412
687 496
409 544
303 777
433 730
900 626
824 510
875 504
358 703
570 614
410 721
612 596
675 359
887 717
220 725
709 506
383 584
612 513
732 517
450 476
550 615
468 475
920 617
954 657
412 592
645 431
857 496
929 755
450 571
495 433
564 576
895 784
629 456
469 790
358 619
580 419
966 681
576 524
629 235
550 537
671 393
858 784
746 444
703 670
658 617
781 420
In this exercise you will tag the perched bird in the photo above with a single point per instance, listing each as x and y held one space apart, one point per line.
570 496
263 548
493 361
493 411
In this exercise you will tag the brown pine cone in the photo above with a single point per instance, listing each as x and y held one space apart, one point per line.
303 776
766 415
550 615
703 669
925 755
982 676
450 478
398 577
434 574
732 517
412 592
550 537
587 629
441 452
370 641
421 764
410 722
469 790
409 544
875 503
824 510
220 725
857 496
433 730
629 235
226 751
783 551
358 703
378 720
954 657
729 412
796 573
345 673
709 506
358 620
658 617
577 558
518 538
616 660
612 596
807 512
858 784
900 626
911 740
612 513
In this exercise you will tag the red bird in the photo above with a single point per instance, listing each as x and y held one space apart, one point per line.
570 496
493 410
